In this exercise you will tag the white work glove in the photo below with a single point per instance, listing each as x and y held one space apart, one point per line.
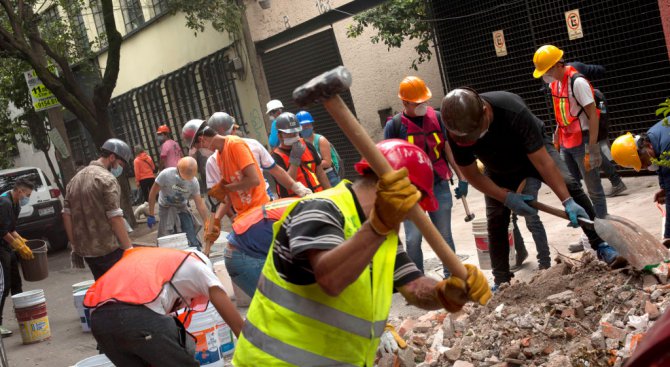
297 149
595 157
387 343
300 189
76 261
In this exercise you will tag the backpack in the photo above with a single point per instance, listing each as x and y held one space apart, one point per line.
338 163
601 104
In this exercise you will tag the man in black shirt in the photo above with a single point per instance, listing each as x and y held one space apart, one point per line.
500 130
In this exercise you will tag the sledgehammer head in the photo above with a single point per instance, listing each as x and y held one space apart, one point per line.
323 86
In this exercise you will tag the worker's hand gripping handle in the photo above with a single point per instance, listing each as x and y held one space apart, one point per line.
359 137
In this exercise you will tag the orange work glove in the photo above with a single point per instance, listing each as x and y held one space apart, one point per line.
453 292
395 197
218 191
212 229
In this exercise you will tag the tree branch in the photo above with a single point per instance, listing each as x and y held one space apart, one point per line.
103 91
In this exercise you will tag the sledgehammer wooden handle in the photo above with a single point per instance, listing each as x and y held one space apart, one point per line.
359 137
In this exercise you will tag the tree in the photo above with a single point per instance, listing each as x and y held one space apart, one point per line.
27 34
395 22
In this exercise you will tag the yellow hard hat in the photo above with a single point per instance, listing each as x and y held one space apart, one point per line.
413 89
624 152
545 57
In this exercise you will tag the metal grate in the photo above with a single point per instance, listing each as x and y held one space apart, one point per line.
193 92
624 36
292 65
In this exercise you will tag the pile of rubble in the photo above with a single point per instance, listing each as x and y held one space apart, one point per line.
577 313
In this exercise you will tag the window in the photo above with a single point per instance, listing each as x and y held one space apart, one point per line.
51 16
132 14
79 32
99 22
160 6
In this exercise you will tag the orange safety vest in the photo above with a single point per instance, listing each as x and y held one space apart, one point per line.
272 211
430 138
569 133
138 278
306 172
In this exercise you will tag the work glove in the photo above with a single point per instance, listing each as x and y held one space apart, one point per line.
151 221
76 261
453 292
395 197
299 189
19 245
594 157
212 229
517 202
462 190
574 211
390 341
219 191
297 149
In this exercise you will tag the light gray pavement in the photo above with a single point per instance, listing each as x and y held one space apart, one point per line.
68 344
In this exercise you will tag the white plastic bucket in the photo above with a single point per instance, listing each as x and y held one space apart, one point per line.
222 273
29 298
100 360
226 336
480 231
31 313
207 345
176 241
86 284
84 313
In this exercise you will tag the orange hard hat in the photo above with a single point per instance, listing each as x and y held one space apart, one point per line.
413 89
163 129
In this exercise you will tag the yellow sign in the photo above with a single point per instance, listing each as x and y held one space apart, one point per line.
574 24
42 97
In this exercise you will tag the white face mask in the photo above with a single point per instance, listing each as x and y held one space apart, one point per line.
292 140
421 109
652 167
548 78
483 133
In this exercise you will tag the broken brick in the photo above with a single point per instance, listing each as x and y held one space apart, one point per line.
652 310
568 313
548 350
571 332
525 342
612 332
423 327
407 325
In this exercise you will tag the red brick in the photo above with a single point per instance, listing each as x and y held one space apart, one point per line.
572 332
407 325
612 332
652 310
525 342
568 313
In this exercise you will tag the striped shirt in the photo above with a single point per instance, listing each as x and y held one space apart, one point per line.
317 224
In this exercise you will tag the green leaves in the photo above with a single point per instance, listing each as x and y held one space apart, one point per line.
664 110
395 22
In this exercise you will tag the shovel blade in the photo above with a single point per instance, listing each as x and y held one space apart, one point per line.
633 242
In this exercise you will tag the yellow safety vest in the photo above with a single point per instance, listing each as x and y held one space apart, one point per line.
301 325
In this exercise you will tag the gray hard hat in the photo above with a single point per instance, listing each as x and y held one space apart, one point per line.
190 130
119 148
221 122
288 123
463 113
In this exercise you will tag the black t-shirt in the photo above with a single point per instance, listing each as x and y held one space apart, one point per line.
8 215
513 134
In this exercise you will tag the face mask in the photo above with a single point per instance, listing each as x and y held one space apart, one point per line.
653 167
306 133
161 139
24 201
548 78
116 171
483 133
291 140
205 152
421 109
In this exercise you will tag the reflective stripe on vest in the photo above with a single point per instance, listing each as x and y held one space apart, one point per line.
272 210
430 138
569 127
306 173
342 330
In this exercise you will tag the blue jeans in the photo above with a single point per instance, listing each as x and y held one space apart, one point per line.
333 177
574 159
608 168
188 227
441 218
244 270
534 225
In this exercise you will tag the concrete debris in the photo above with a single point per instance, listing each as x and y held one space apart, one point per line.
576 313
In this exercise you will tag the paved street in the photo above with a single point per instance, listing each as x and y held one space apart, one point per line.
69 344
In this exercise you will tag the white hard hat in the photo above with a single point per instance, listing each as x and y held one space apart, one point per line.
273 105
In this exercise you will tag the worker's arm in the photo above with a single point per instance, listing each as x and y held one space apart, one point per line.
226 309
155 188
335 269
201 207
421 293
249 179
282 177
119 229
594 122
452 162
67 223
324 149
483 183
322 177
547 168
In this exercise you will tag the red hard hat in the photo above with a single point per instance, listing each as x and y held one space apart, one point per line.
399 153
163 129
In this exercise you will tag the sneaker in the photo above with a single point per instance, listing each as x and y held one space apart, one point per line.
5 332
610 256
544 265
495 288
616 190
520 258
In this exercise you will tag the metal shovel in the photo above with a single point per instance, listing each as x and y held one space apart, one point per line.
642 250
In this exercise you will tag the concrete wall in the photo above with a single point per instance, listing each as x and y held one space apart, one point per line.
376 70
31 157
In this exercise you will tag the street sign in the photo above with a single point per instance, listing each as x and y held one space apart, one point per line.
59 143
42 97
499 43
574 24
